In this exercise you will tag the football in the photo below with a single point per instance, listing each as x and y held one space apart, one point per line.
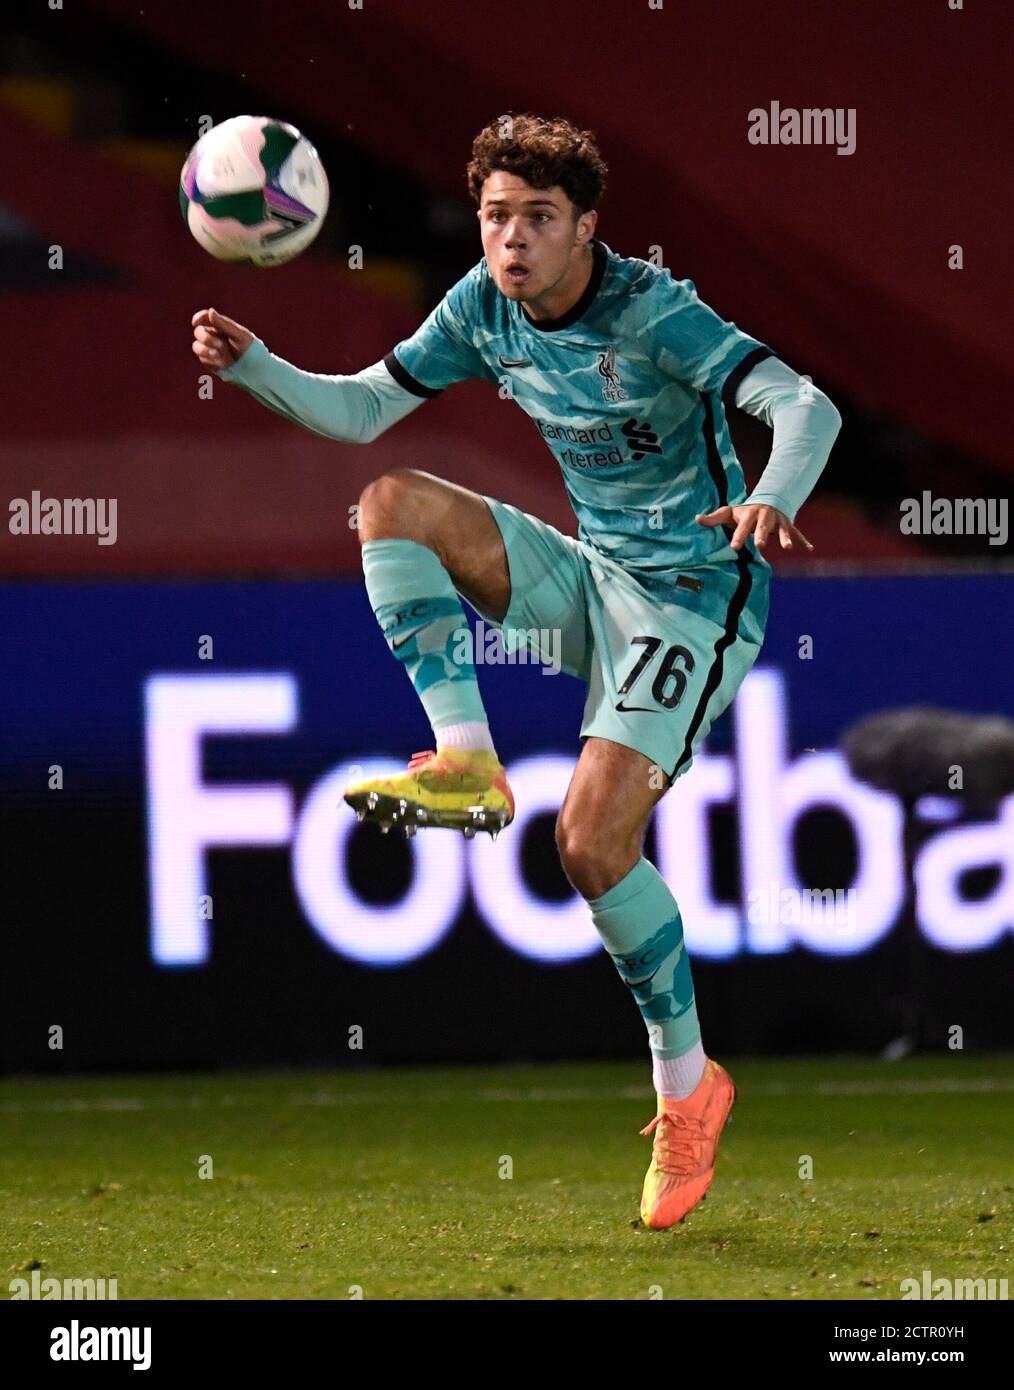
253 190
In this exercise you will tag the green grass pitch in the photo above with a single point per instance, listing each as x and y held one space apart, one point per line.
390 1182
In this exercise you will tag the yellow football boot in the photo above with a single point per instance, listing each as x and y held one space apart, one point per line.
683 1150
456 788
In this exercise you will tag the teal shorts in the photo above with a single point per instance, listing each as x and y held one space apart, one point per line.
662 653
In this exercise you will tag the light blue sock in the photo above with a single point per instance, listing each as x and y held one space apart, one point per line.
641 928
421 616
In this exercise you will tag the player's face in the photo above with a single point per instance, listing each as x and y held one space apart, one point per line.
530 237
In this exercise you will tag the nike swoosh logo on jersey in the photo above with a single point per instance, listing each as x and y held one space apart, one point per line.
634 709
524 362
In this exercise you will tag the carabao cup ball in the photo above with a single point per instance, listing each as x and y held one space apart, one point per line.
254 190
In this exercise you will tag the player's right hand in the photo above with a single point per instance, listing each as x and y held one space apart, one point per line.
218 341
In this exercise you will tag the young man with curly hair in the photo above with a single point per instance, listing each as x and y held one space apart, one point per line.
661 602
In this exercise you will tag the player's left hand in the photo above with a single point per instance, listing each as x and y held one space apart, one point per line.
758 518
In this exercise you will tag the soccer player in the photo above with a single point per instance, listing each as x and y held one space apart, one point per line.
660 604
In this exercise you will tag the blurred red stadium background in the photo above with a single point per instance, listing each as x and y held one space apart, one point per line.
840 263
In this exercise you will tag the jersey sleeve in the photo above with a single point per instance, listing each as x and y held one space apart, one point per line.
442 349
805 424
352 409
687 340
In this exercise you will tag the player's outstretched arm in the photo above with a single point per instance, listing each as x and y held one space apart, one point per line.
805 425
691 343
353 409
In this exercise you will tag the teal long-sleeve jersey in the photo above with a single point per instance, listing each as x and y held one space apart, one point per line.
627 390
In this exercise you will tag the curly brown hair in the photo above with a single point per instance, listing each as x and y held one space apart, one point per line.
544 153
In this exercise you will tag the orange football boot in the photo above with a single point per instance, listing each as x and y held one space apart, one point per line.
683 1151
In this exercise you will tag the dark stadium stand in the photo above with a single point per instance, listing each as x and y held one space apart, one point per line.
919 361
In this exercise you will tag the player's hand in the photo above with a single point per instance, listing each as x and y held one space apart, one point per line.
758 518
219 342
